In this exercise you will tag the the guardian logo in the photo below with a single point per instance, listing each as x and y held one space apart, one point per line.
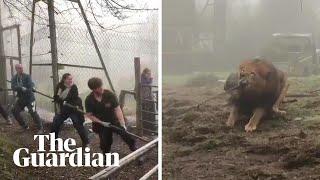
62 153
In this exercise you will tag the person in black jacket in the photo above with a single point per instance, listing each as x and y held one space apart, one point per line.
67 91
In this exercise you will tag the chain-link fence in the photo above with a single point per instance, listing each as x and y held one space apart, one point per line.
75 47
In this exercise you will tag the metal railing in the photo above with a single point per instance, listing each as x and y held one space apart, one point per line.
110 171
149 111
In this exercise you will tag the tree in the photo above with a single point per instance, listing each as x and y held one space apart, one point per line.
96 10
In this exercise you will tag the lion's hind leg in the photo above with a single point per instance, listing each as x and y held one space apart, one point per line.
283 93
258 113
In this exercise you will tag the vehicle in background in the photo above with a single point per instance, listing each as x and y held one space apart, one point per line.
293 53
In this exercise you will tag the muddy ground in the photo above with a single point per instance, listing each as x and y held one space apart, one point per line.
13 137
198 145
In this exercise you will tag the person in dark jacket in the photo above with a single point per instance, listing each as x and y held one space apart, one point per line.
67 91
146 78
146 82
23 85
102 107
148 104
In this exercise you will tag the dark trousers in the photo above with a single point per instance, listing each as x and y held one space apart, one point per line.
105 136
3 112
77 120
19 107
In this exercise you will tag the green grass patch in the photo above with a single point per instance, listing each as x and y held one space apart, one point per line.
180 80
301 84
8 170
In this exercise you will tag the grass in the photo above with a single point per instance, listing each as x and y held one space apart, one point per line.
306 108
6 163
301 84
180 80
296 83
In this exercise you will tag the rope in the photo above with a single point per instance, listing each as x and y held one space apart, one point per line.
211 98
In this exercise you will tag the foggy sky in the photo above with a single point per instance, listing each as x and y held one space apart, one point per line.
249 25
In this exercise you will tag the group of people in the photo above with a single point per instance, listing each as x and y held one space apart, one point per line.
102 108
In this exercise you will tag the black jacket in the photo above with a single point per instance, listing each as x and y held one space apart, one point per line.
72 98
17 82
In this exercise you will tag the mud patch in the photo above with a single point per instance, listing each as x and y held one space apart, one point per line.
198 145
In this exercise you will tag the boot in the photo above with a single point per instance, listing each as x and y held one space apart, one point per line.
38 121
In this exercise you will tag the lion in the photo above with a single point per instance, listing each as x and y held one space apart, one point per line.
261 89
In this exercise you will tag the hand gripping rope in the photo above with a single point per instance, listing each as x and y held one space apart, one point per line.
109 125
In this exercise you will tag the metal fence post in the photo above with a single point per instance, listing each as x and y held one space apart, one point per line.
53 42
19 43
3 66
137 70
31 36
95 45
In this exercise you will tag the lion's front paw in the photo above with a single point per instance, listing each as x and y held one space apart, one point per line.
282 113
278 111
250 127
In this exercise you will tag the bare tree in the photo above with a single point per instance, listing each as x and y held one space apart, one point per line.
95 9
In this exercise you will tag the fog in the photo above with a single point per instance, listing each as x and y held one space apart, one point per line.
214 35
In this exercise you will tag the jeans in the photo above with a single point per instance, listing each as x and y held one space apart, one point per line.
19 107
3 112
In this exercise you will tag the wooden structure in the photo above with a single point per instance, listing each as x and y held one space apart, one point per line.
137 71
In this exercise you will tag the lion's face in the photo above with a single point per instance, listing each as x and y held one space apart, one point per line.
250 78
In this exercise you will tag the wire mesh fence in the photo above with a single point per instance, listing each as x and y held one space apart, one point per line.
75 47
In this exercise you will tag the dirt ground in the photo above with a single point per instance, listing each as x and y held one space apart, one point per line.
13 137
198 145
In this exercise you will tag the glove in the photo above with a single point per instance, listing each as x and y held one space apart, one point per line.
105 124
19 88
57 99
